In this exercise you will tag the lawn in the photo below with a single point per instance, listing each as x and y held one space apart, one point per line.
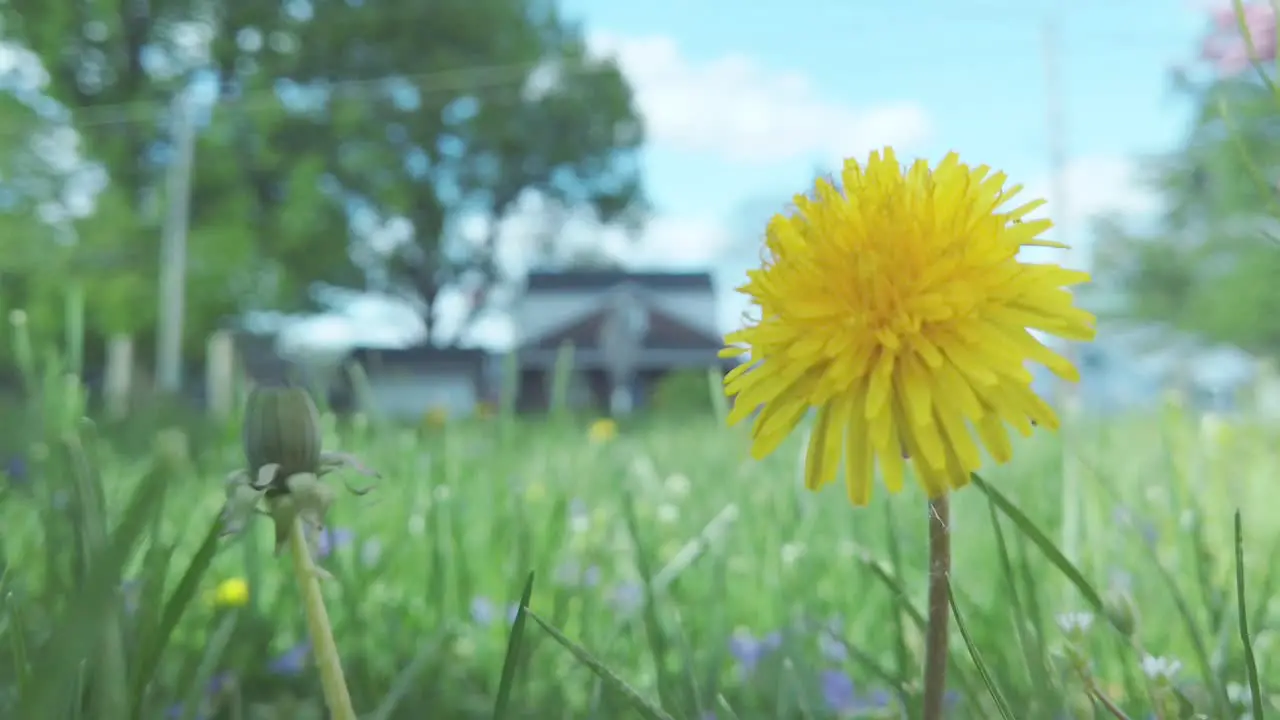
713 585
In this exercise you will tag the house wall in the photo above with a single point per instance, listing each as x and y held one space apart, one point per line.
545 312
410 397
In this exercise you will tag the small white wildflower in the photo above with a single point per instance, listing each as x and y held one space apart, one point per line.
1121 581
568 573
579 524
668 513
678 485
1239 694
1187 520
1213 428
371 552
847 549
1160 668
1075 623
791 552
417 525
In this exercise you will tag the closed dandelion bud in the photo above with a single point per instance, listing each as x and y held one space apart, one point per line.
282 427
1122 613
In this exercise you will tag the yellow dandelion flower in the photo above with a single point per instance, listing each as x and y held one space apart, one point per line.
602 431
232 593
436 417
897 307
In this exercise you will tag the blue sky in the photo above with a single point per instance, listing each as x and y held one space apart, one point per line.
745 100
973 68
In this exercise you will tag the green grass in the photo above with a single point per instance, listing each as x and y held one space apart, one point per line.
655 559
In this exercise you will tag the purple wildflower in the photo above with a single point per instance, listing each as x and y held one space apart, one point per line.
627 597
16 469
842 697
572 574
749 650
832 647
331 539
838 691
483 611
292 662
130 592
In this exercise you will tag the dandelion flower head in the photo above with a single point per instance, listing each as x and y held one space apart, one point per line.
602 431
232 593
896 306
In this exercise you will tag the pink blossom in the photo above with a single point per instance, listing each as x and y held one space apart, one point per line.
1225 47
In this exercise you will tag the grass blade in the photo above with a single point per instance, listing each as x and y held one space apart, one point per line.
1037 667
1250 662
652 623
404 682
183 594
645 708
1001 705
192 705
511 662
1198 645
1046 546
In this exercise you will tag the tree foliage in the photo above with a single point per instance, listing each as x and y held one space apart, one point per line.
328 121
1209 266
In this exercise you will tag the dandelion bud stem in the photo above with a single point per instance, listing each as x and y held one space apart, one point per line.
939 611
323 646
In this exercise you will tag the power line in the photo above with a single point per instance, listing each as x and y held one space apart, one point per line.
516 75
477 78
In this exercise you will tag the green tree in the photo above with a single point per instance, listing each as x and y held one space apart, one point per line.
482 103
329 115
1209 265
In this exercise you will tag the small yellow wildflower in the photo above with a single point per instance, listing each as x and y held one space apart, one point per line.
535 492
436 417
232 593
897 307
602 431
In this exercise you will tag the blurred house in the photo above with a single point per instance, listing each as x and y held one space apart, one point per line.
260 358
407 383
1131 366
628 330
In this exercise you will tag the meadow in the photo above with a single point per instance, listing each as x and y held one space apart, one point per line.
672 576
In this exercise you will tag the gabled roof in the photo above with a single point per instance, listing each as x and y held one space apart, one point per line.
600 280
418 356
664 332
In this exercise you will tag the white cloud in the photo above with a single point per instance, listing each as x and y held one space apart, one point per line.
735 108
1101 185
1095 186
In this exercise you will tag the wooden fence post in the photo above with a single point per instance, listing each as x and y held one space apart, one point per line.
220 374
117 384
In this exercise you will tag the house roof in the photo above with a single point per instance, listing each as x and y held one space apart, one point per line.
664 332
606 279
260 357
417 355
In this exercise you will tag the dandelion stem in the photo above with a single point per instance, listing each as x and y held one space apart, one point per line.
935 646
323 646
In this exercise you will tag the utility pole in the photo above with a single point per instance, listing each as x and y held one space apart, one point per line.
173 250
1073 505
